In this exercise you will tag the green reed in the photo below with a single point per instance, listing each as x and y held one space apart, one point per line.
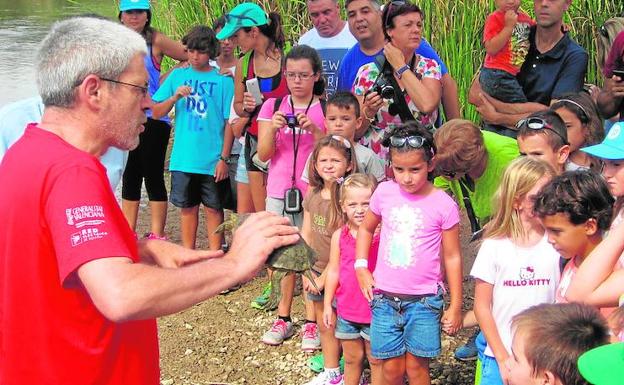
453 27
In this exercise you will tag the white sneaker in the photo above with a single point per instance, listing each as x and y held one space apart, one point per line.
280 330
324 378
310 338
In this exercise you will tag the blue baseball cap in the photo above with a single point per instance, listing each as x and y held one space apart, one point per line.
127 5
612 147
243 15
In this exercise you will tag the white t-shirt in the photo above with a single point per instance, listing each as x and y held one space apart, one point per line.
331 50
367 161
522 277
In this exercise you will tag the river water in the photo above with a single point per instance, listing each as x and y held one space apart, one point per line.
23 24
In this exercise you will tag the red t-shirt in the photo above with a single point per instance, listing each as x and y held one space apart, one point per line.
511 56
58 212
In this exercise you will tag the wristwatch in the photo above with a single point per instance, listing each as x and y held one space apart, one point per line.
222 158
399 72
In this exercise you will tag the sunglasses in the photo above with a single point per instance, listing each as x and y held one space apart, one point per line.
413 141
342 140
451 174
397 3
537 124
229 17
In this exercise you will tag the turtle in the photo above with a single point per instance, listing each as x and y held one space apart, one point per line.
295 258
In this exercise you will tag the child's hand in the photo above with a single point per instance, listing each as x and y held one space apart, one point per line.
182 92
451 320
503 368
308 286
366 281
249 102
306 123
328 316
278 121
511 18
221 171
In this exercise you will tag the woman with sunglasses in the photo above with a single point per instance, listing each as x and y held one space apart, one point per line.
147 161
261 37
584 126
417 78
287 131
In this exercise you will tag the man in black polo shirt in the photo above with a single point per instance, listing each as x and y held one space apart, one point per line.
554 66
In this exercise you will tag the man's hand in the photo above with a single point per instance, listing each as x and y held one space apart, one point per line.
256 238
615 86
169 255
487 110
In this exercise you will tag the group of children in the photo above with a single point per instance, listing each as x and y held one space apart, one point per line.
387 250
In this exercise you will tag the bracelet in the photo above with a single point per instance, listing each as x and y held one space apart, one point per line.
361 263
370 120
222 158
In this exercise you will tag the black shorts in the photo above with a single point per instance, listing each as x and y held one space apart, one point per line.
189 190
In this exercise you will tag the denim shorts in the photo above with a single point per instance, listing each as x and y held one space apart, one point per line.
501 85
399 326
241 170
189 190
490 374
347 330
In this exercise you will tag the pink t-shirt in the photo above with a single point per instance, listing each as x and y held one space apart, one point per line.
350 302
280 169
411 234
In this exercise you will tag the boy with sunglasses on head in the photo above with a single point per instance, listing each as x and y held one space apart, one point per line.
199 171
544 135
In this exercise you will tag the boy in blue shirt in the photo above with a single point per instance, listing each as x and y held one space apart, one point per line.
201 145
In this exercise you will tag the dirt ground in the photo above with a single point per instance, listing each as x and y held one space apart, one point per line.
218 341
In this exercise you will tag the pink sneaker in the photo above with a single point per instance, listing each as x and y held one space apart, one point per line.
310 338
280 330
154 236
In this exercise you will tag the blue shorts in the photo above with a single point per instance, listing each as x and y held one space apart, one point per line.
241 169
347 330
189 190
399 326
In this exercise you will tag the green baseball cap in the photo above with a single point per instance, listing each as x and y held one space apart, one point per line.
243 15
603 365
127 5
612 147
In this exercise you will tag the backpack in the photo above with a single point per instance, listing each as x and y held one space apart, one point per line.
278 102
606 34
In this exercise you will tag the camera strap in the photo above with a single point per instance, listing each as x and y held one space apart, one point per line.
399 97
297 139
474 223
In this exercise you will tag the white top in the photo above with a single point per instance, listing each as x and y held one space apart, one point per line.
331 50
367 162
522 277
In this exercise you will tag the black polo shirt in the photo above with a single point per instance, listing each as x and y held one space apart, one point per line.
548 75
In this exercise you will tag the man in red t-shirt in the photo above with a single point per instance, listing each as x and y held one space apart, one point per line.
78 295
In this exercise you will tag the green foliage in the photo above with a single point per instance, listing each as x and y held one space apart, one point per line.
453 27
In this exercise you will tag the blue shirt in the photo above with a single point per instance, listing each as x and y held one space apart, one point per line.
15 116
199 118
546 76
355 58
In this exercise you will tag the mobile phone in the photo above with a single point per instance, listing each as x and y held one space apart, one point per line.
253 87
619 72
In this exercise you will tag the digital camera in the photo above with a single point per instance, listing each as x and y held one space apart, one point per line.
291 121
292 201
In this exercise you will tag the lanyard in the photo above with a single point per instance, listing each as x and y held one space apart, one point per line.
296 140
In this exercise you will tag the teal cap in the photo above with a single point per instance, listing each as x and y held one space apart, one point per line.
243 15
612 147
603 365
127 5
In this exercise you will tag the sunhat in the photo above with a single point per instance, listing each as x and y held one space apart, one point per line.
603 365
243 15
127 5
612 147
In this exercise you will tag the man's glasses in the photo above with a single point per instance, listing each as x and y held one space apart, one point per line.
301 75
538 124
236 18
397 4
142 88
413 141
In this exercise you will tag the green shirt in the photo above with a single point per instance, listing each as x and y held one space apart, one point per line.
501 151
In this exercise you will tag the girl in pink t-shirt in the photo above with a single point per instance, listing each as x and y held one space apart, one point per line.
419 223
333 158
352 323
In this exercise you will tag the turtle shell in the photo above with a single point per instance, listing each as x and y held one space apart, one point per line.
297 258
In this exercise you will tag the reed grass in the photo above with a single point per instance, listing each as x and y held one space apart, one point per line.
453 27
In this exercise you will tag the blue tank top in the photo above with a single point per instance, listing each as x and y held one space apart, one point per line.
153 81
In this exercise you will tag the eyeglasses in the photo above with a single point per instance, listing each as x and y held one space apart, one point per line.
301 75
142 88
342 140
537 124
451 174
413 141
396 3
230 17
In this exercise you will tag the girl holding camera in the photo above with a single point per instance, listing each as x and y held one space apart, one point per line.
288 128
417 78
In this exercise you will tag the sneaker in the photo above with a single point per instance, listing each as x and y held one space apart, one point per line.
324 378
280 330
317 363
263 298
154 236
310 338
468 351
